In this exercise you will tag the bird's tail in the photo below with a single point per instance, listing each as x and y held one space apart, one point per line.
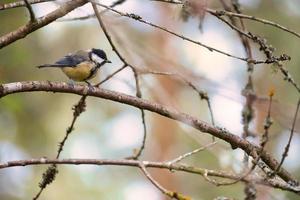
49 65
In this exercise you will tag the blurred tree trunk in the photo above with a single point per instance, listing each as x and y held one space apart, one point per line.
164 129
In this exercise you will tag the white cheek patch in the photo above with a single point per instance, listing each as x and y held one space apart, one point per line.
97 59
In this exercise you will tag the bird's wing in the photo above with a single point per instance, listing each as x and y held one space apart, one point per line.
70 60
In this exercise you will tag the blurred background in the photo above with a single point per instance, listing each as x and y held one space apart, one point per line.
32 124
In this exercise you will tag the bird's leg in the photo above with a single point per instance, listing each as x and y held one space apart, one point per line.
89 85
71 83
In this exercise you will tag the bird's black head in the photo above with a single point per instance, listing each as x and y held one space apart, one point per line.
98 56
99 53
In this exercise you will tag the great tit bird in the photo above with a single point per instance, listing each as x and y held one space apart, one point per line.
81 65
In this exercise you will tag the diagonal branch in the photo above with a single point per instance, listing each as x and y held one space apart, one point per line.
221 133
30 27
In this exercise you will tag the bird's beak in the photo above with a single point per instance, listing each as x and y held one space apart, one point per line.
108 61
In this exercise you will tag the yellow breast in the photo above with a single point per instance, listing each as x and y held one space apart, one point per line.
79 73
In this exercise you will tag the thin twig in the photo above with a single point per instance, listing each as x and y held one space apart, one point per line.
111 75
168 1
285 153
180 158
139 18
106 33
50 173
215 182
154 182
157 185
243 38
117 3
30 10
79 108
138 90
253 18
242 16
138 152
287 76
202 94
70 19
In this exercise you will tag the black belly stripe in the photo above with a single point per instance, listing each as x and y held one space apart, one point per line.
94 70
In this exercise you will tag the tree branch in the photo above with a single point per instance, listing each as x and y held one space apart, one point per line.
160 165
17 4
242 16
23 31
234 140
